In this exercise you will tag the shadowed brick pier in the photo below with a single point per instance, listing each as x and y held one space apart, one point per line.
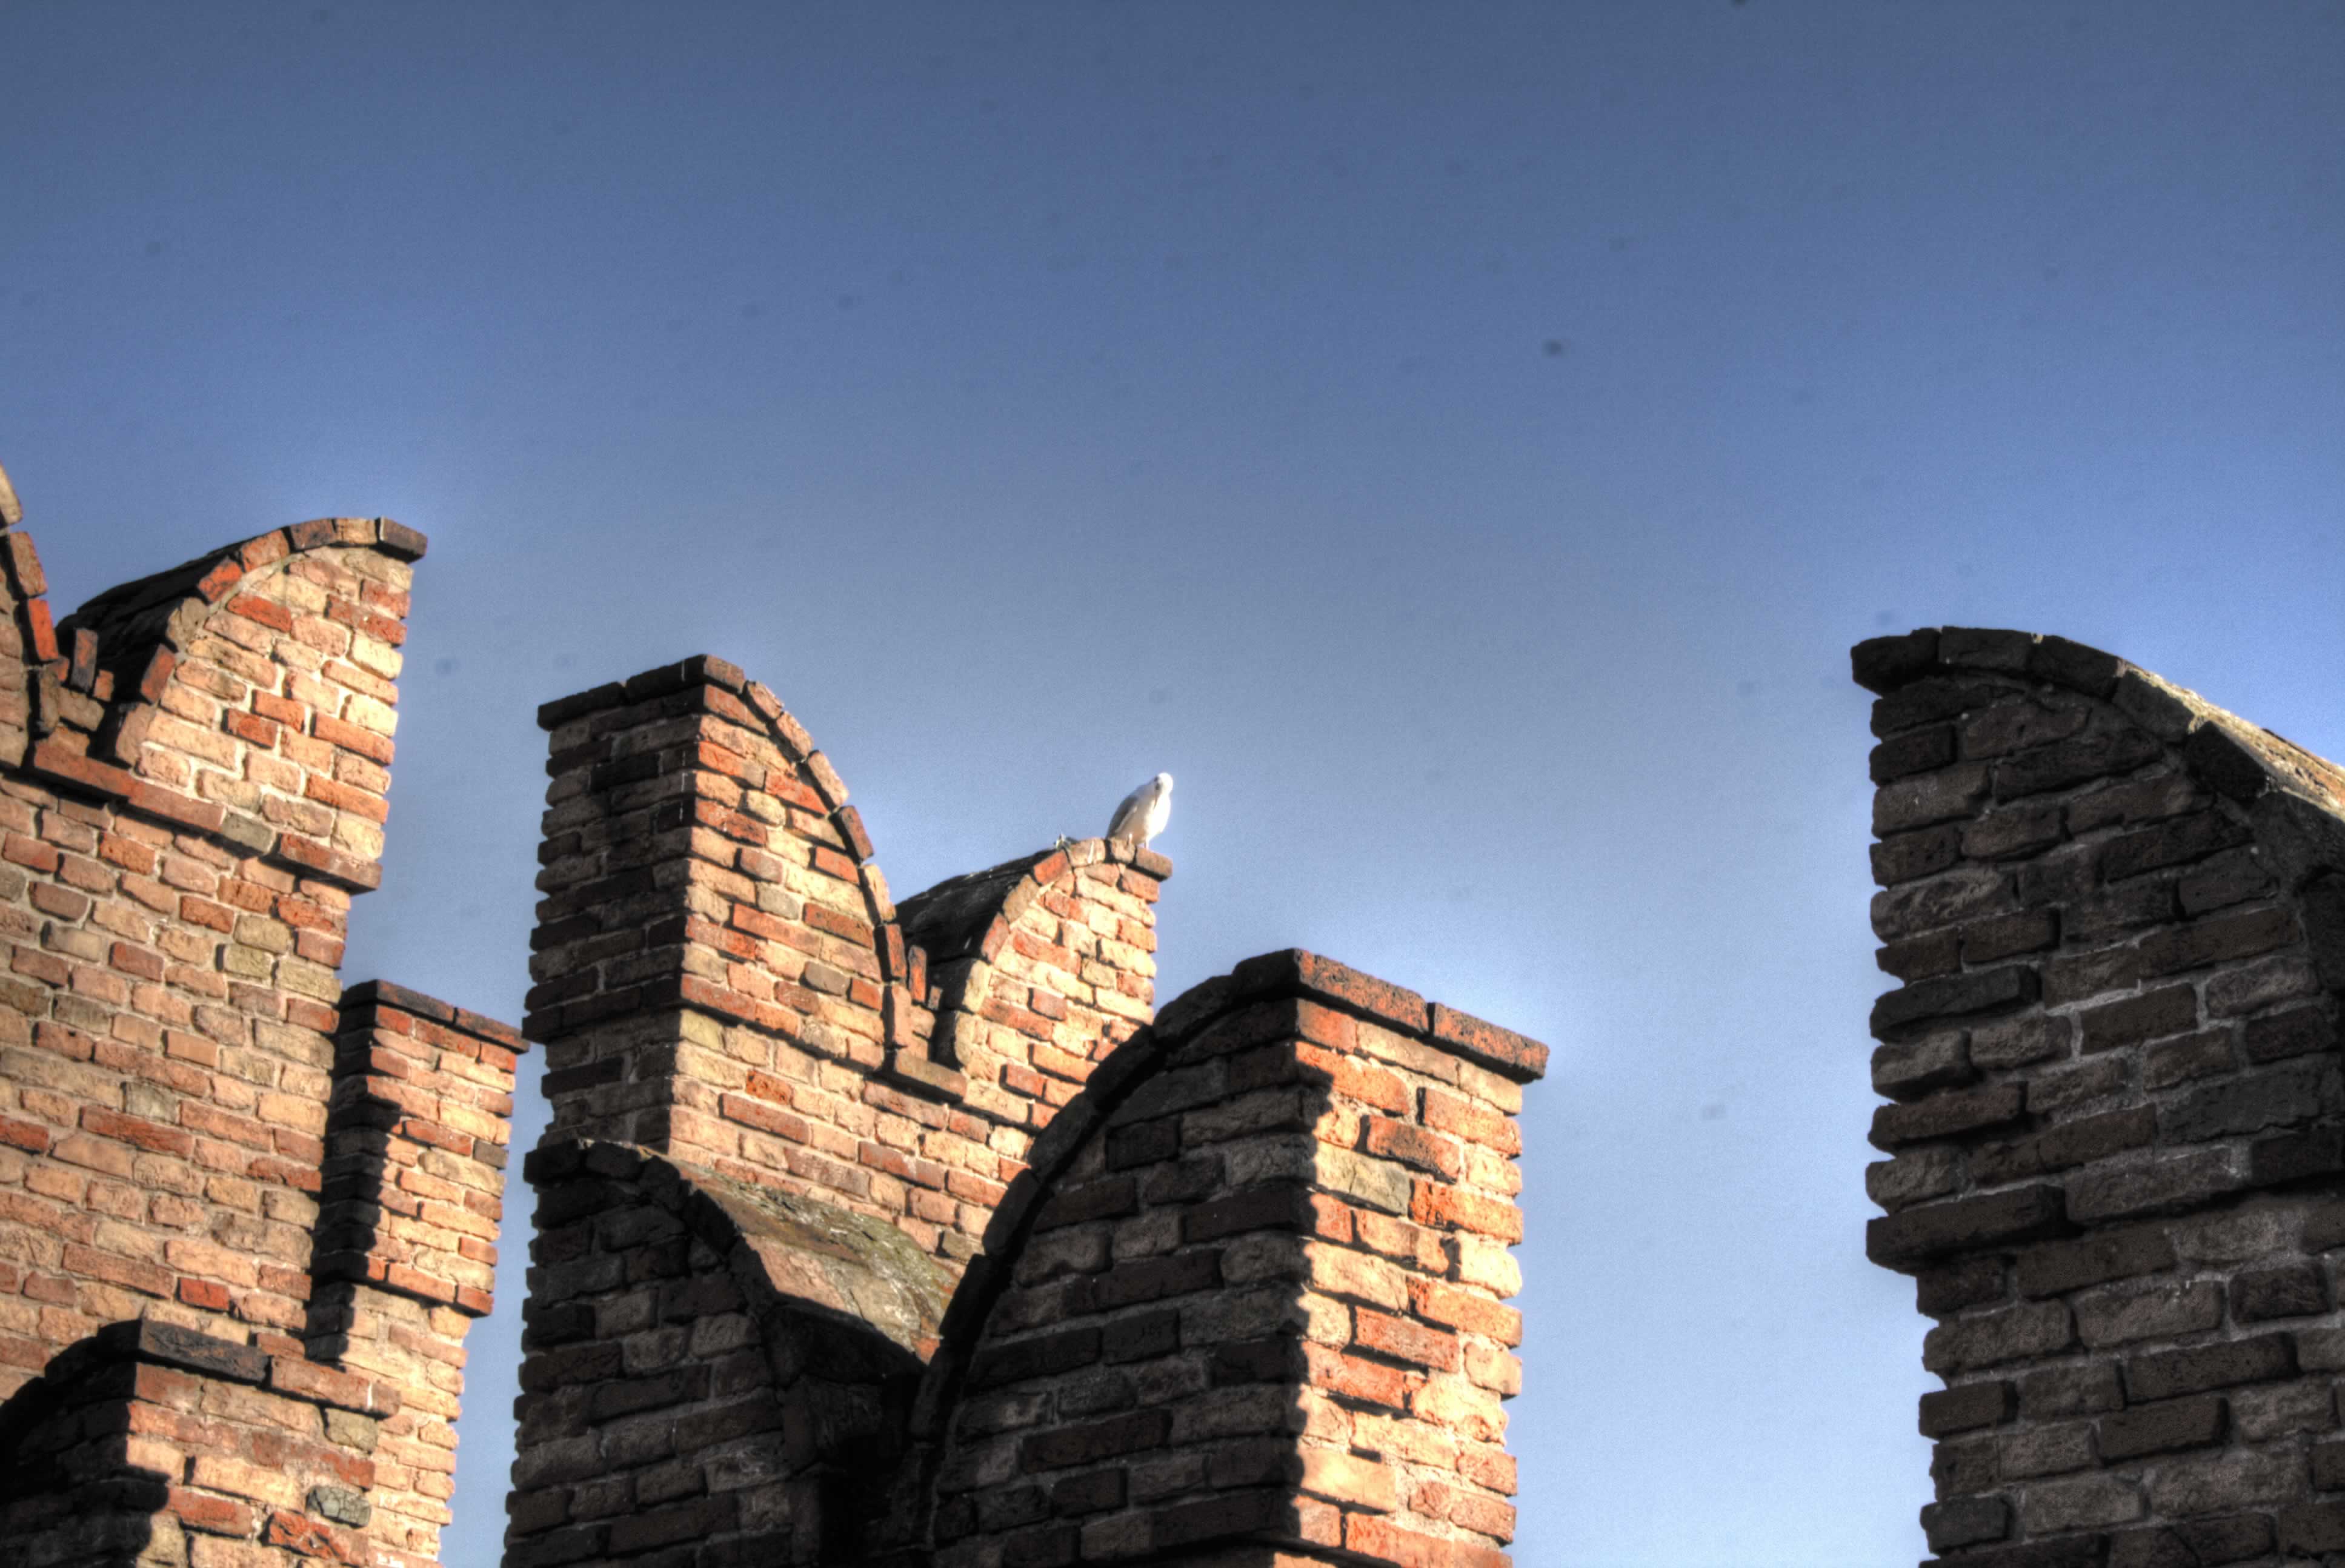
2116 1129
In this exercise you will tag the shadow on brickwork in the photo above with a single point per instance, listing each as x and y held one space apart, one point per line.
1227 1308
734 1361
70 1496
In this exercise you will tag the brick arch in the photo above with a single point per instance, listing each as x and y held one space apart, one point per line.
108 691
1029 992
2116 1134
1292 1131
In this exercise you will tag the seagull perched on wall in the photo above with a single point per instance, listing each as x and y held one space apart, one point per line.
1144 812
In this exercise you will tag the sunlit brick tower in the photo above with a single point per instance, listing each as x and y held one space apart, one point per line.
2116 1131
880 1234
246 1214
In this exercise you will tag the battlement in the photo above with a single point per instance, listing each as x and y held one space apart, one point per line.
2116 1134
865 1233
246 1214
876 1233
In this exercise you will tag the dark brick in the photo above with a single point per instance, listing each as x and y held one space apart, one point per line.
1886 663
2051 1092
2079 977
1041 1356
2295 1156
1921 957
2195 1543
2227 763
2203 1054
1009 1507
2060 1266
2231 1539
2299 1032
1915 908
2061 1552
2115 912
2015 1042
2058 1391
2021 723
1910 856
1949 1287
2329 1467
1142 1336
2170 1373
1089 1443
2323 901
169 1345
2014 831
1956 995
1264 1208
2160 1428
1107 1199
1908 1070
2175 842
2294 1092
1925 798
1945 1115
1149 1279
2030 931
2232 877
2074 665
2213 941
1917 1235
2166 1185
1930 700
1962 1469
2312 1527
2172 1011
1914 753
2283 1290
2070 1144
1093 1493
2072 762
1985 648
1052 1546
1966 1522
1946 1411
1144 1144
2029 1331
701 1516
1231 1515
2134 803
1256 1361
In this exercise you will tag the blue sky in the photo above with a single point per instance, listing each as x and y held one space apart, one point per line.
1459 442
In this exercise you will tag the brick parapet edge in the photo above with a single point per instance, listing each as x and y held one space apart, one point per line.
154 1443
1258 1266
716 1370
194 773
723 976
2118 1130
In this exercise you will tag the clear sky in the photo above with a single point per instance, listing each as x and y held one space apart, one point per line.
1460 442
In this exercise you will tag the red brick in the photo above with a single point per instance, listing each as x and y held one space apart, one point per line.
1457 1208
1405 1340
1371 1536
1413 1144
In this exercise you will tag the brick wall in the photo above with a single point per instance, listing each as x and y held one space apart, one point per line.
723 976
240 1207
2116 1134
406 1238
718 1370
1252 1295
823 1172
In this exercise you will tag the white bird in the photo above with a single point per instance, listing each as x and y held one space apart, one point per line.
1144 812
